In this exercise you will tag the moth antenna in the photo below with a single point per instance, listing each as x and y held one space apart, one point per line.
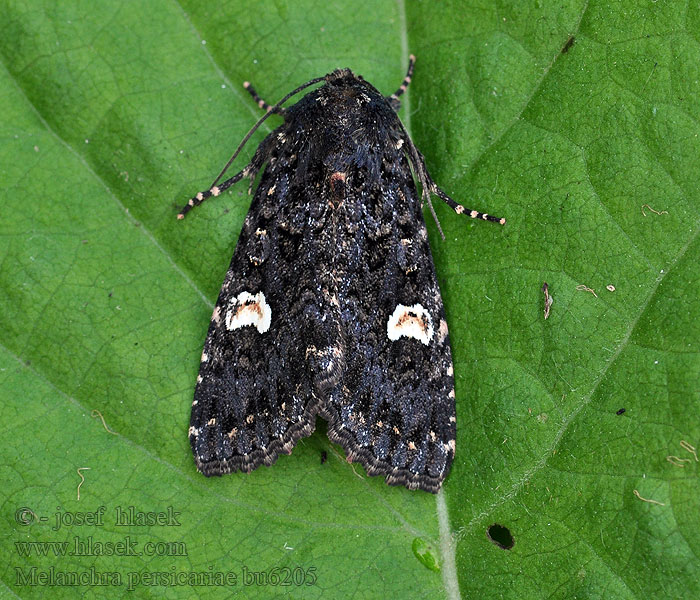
270 111
406 80
214 189
435 217
418 164
259 101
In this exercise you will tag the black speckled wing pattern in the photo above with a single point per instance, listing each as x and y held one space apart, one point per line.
331 305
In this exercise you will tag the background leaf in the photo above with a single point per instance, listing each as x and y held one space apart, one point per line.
113 114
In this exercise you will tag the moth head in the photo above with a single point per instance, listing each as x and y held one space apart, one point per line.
341 77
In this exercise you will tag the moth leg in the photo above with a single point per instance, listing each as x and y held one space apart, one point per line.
260 102
394 98
430 187
215 190
459 209
251 170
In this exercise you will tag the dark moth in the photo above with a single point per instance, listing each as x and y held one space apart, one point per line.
331 306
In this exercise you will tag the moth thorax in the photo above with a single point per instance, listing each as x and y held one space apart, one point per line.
338 181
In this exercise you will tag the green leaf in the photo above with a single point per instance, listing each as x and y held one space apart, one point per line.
113 114
426 554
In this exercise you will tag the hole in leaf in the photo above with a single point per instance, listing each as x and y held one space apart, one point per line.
501 536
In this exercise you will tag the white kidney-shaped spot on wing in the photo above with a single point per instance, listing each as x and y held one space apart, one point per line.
410 321
248 309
